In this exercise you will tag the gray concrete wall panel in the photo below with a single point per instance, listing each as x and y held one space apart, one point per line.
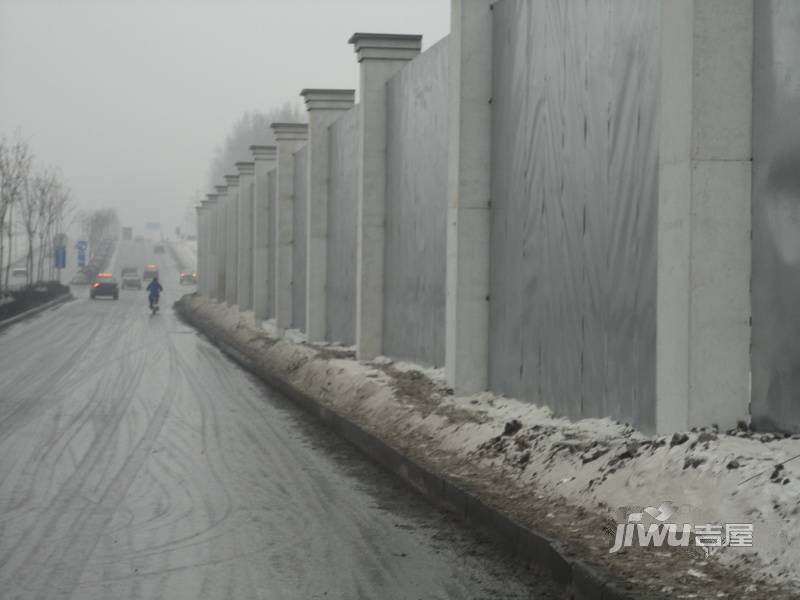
342 228
416 209
300 239
574 206
271 199
775 355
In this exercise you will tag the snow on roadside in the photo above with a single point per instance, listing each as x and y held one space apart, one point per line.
714 478
598 464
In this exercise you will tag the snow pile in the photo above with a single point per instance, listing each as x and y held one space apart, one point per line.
715 478
597 466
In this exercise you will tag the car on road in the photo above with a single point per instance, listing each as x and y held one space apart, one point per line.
104 285
131 281
149 272
80 278
159 249
188 278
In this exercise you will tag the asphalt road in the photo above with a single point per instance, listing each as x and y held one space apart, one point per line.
137 461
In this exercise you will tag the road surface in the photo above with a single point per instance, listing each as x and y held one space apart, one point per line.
137 461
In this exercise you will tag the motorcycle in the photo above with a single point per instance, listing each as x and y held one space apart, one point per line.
154 304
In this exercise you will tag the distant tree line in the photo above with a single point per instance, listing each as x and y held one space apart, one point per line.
35 203
97 225
251 129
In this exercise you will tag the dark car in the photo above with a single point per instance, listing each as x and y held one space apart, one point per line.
159 249
104 285
188 278
131 281
150 272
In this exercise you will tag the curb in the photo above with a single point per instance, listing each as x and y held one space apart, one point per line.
579 580
34 311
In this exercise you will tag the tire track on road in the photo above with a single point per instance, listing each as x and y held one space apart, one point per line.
56 564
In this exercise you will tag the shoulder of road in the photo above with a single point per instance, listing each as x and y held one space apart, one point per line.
552 491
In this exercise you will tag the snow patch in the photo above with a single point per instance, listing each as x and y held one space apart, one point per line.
598 464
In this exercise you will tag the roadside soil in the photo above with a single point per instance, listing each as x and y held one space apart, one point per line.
517 465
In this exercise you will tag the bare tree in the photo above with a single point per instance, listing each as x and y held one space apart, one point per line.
36 208
15 164
43 213
58 209
98 225
252 128
28 214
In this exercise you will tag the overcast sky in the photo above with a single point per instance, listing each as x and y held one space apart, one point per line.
129 98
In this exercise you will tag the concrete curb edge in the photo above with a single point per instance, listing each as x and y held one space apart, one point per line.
579 580
34 311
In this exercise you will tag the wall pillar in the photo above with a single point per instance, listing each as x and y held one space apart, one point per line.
244 269
324 107
202 238
221 241
703 297
288 137
264 160
231 243
379 56
468 192
199 209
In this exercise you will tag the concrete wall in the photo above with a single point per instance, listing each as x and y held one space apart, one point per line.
342 226
554 203
574 199
416 209
300 239
776 216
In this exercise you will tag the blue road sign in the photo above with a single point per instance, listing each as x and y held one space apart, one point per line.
81 246
60 257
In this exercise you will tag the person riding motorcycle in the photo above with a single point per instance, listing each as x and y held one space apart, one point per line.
154 288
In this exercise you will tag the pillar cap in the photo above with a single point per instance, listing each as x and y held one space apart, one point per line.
263 152
290 131
385 46
221 189
232 180
245 167
328 99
